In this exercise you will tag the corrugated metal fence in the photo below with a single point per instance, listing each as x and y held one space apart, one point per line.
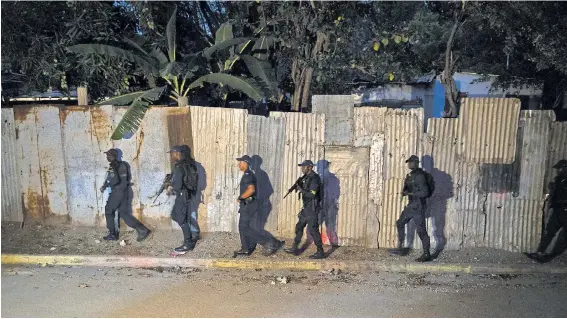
487 164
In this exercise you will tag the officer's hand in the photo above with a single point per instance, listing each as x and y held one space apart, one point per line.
169 191
102 189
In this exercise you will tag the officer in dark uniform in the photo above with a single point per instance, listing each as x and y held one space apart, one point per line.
558 218
416 188
249 236
180 213
310 189
118 178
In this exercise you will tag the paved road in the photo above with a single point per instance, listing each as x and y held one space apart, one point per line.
88 292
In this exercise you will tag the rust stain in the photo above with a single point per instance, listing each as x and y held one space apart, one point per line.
64 111
37 207
101 123
139 212
21 113
179 128
139 148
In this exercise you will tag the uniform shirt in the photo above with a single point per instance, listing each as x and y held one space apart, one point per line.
177 178
118 175
247 179
310 186
416 184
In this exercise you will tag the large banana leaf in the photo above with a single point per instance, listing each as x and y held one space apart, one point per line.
148 64
171 33
123 99
245 85
208 52
137 43
262 46
224 33
136 112
173 70
263 73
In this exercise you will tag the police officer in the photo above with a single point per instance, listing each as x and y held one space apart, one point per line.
118 178
558 218
249 207
416 188
310 189
184 165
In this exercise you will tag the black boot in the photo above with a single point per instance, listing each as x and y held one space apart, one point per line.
436 253
243 252
187 246
400 251
294 250
426 256
111 236
274 247
539 257
320 254
143 234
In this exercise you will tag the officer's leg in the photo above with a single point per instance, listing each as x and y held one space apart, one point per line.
313 225
180 214
111 206
401 226
125 211
244 227
299 227
552 227
421 229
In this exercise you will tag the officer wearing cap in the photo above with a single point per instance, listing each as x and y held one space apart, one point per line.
118 178
416 188
249 207
184 188
558 218
310 188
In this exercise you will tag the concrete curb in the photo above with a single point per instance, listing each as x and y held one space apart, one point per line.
267 264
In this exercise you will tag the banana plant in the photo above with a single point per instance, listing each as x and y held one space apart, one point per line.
155 64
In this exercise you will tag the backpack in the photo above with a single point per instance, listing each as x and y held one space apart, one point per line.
430 183
190 178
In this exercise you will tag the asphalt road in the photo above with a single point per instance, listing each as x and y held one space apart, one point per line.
88 292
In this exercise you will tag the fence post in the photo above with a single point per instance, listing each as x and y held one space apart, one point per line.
82 96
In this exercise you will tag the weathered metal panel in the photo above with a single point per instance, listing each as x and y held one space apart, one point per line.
81 164
266 147
34 204
101 129
403 134
304 138
513 224
350 165
51 160
536 138
487 129
219 138
375 190
12 209
154 163
389 211
557 149
339 117
368 121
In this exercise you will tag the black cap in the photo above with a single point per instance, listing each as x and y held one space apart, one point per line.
306 163
412 158
176 149
245 158
562 163
112 151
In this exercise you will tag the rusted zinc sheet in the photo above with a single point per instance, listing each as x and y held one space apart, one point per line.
219 137
557 149
11 197
535 142
350 166
403 134
150 155
304 138
101 129
513 224
81 159
266 146
375 190
487 127
339 117
368 121
35 205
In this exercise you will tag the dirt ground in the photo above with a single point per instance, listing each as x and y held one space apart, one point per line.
186 292
57 240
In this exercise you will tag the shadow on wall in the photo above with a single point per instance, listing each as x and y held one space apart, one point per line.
436 212
330 210
264 191
197 199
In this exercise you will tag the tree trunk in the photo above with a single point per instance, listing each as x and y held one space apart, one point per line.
447 75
